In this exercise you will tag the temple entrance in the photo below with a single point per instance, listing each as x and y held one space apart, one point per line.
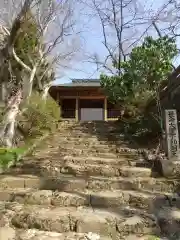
91 109
68 107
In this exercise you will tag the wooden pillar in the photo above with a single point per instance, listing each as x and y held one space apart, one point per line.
59 104
77 110
57 97
105 109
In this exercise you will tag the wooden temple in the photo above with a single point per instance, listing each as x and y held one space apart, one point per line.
84 100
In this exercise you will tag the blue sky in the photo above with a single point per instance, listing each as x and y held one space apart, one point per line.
92 43
92 38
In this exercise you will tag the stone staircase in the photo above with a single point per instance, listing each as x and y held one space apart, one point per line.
82 179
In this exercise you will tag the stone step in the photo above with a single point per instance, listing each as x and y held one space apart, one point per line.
29 166
75 152
7 233
84 170
94 125
95 148
87 149
114 198
100 128
82 145
65 150
99 132
169 221
122 160
85 139
103 135
107 125
71 183
88 152
72 151
145 237
114 223
105 170
139 184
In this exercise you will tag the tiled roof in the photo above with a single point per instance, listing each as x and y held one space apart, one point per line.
85 80
82 82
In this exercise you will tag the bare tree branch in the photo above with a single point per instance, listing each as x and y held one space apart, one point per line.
50 39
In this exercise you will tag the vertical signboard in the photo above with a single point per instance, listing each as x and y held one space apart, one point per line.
172 133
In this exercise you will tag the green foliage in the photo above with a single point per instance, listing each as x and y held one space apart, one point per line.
27 48
154 238
39 116
27 41
141 75
148 65
8 156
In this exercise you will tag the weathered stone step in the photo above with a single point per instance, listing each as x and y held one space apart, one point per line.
113 223
105 170
85 170
122 160
99 132
139 184
86 140
103 135
169 221
90 152
87 149
63 151
87 144
71 183
7 233
145 237
82 145
94 148
58 165
95 125
112 198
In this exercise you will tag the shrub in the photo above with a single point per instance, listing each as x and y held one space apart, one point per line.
8 156
39 116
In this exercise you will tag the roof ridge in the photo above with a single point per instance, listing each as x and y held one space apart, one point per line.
85 80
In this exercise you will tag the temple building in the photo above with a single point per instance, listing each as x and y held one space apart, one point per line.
84 100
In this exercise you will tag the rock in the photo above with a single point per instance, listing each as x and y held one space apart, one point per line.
92 236
7 233
170 169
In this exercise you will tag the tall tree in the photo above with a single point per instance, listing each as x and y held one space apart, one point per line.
49 46
147 66
27 48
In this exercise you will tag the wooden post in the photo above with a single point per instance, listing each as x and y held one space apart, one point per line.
57 97
172 134
77 110
59 104
105 109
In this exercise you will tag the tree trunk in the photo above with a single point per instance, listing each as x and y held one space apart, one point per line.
7 130
45 92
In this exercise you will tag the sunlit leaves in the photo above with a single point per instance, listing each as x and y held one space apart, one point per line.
148 65
11 155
